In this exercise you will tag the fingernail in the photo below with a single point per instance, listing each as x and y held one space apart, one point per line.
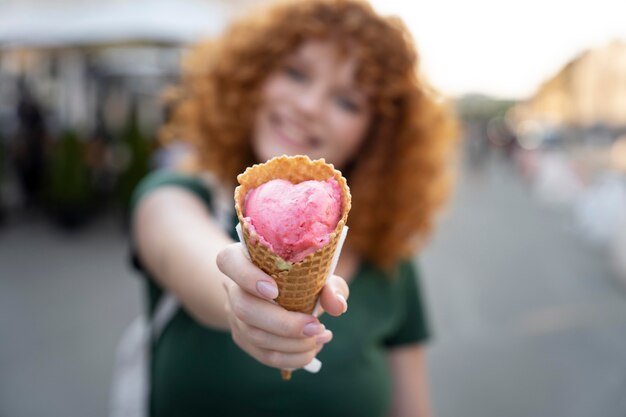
266 289
344 303
313 329
324 337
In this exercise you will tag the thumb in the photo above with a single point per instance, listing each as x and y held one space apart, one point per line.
334 295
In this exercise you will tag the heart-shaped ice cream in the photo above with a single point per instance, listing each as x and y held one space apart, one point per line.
294 220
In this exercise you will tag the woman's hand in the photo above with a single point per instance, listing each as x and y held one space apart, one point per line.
267 332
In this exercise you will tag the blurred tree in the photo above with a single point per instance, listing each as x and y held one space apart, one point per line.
69 190
481 107
138 150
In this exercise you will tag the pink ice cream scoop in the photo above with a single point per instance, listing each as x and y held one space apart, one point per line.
294 220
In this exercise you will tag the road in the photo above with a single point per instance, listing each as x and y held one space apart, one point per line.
528 319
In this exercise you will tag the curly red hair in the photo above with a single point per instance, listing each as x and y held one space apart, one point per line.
402 174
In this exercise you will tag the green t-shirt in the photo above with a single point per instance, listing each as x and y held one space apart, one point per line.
197 371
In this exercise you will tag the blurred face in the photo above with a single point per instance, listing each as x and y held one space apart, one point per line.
312 106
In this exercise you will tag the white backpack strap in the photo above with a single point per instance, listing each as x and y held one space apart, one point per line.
165 310
129 393
131 375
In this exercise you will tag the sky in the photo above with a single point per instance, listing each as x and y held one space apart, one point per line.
504 48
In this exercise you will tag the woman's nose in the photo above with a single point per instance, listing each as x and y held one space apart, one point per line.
311 100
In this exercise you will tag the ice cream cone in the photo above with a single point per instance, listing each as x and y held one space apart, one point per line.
299 283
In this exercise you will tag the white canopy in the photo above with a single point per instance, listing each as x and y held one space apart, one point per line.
90 23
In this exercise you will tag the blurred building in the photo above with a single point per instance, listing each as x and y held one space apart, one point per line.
589 91
81 92
71 53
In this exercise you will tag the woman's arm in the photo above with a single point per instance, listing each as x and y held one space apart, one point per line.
410 386
178 241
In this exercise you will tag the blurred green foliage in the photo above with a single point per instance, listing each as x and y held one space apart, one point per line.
68 192
481 107
139 151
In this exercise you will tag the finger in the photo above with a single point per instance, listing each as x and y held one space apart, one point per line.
274 358
234 263
264 340
334 295
271 317
283 360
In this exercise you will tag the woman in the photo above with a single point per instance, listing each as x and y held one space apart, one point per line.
330 79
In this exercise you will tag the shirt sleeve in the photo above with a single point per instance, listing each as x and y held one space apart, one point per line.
413 324
168 178
162 178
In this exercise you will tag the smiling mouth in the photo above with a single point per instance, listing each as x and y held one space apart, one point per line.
292 135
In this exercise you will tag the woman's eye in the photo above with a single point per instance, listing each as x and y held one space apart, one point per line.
348 104
295 74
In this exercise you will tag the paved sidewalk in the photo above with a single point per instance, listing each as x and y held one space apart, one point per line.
64 301
529 319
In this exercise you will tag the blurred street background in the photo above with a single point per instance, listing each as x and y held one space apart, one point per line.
525 278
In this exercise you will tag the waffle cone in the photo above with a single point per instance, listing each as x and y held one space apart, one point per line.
299 283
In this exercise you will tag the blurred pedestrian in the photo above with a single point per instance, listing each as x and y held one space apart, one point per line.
330 79
29 152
